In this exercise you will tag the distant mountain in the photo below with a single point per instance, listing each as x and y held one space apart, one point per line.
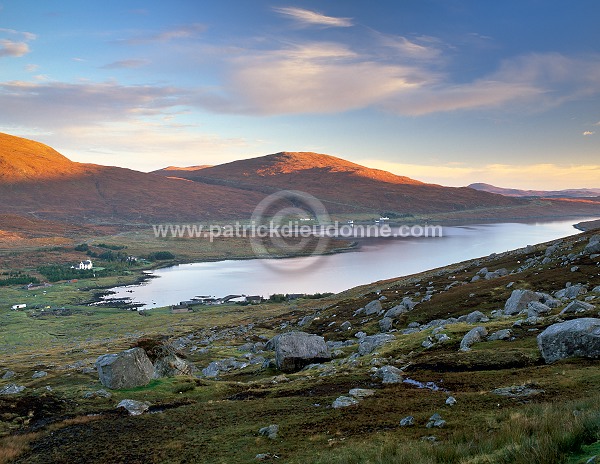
571 193
343 186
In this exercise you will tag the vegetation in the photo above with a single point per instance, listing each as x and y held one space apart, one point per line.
161 256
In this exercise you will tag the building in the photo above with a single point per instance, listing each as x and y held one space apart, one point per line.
85 265
19 306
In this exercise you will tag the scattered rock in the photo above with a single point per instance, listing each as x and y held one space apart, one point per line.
503 334
577 307
171 366
535 308
571 292
450 401
475 335
346 325
270 431
389 374
518 301
517 391
128 369
435 421
97 394
475 317
135 408
575 338
360 393
373 307
385 324
407 421
368 343
396 311
39 374
344 402
11 389
8 375
593 246
295 350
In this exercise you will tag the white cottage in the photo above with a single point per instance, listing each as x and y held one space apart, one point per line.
85 265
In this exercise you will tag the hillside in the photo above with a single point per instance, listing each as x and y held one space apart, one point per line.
343 186
36 180
570 193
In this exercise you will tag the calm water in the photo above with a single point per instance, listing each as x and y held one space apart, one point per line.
377 259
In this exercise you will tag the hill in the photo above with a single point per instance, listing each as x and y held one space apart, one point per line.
36 180
343 186
569 193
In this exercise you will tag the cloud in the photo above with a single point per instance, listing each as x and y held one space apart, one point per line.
32 67
544 176
26 36
126 64
13 49
187 31
312 18
588 133
429 49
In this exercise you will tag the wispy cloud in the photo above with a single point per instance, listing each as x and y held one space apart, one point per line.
186 31
312 18
126 64
588 133
427 49
32 67
17 45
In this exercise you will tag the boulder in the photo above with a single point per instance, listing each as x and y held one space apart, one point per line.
295 350
128 369
396 311
435 421
385 324
475 317
360 393
388 374
10 374
135 408
593 246
518 301
498 273
571 292
473 336
503 334
577 307
344 402
575 338
407 421
11 389
450 401
39 374
370 342
535 308
373 307
270 431
171 366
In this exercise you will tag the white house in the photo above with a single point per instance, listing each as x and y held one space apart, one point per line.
85 265
19 306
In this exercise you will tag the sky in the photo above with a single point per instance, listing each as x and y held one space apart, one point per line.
444 91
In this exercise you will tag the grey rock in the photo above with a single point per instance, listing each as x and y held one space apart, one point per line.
385 324
503 334
360 393
407 421
212 370
577 307
171 366
346 325
571 292
475 317
535 308
451 401
97 394
39 374
396 311
388 374
8 375
344 402
270 431
518 301
295 350
11 389
552 249
360 335
575 338
306 320
427 343
435 421
373 307
592 248
409 303
498 273
596 289
442 338
473 336
134 407
127 369
517 391
475 278
370 342
483 271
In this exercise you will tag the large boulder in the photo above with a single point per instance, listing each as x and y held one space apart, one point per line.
369 343
374 307
593 247
518 301
575 338
577 306
475 335
295 350
171 366
127 369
